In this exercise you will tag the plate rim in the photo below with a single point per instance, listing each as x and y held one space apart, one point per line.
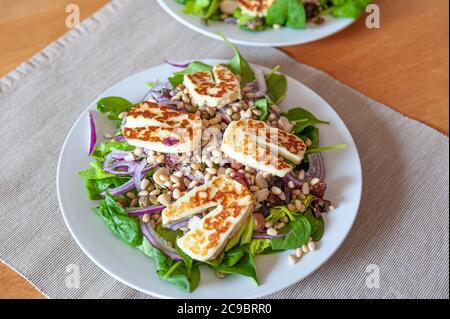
179 18
106 269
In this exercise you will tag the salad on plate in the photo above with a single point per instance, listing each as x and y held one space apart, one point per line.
207 171
259 15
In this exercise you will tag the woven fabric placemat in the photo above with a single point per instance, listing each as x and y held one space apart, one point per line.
403 222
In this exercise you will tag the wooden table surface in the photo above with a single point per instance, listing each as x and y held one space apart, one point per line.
404 64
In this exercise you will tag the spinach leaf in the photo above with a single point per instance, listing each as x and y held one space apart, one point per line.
212 9
245 267
238 65
278 212
312 133
112 106
241 18
276 87
297 233
248 231
196 66
347 8
115 217
296 15
263 106
174 272
186 258
302 119
195 7
167 234
103 149
258 246
278 13
232 256
317 225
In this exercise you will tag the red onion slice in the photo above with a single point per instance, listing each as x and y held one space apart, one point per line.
179 224
177 64
291 178
157 242
121 189
316 167
138 174
144 211
93 133
120 138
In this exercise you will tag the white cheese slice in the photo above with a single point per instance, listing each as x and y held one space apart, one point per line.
162 129
214 89
232 204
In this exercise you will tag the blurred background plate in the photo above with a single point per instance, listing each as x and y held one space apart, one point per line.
266 38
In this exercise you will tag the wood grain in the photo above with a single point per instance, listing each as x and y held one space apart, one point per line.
404 64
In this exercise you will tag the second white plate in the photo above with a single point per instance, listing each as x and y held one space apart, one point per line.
266 38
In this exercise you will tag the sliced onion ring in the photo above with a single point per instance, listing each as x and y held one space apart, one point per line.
138 174
157 242
93 133
145 211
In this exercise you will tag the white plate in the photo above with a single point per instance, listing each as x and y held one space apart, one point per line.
136 270
266 38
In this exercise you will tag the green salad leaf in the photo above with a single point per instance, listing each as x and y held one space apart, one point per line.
263 106
196 66
116 218
297 234
258 246
296 18
302 119
167 234
238 65
276 86
317 224
114 105
346 8
103 149
174 272
231 257
212 9
245 267
188 261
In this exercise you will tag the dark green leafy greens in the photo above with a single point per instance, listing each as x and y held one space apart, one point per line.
263 106
345 8
276 86
317 224
244 267
297 233
302 119
277 13
296 18
116 218
196 66
112 106
238 65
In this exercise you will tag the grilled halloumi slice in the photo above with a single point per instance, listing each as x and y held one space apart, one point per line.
162 129
214 89
262 147
255 8
207 238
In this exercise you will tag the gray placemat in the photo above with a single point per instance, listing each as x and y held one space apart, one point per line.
402 226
